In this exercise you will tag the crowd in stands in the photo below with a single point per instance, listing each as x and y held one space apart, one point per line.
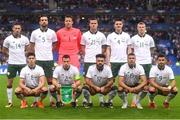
165 29
91 6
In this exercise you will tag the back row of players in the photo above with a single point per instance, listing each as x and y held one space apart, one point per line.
95 49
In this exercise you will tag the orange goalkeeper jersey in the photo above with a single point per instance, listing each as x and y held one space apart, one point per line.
68 41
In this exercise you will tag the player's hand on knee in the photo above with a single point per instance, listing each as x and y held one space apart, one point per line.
174 89
136 90
131 90
102 89
35 91
98 89
165 89
58 86
28 90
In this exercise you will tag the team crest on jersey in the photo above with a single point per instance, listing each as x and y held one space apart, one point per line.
8 73
74 37
62 74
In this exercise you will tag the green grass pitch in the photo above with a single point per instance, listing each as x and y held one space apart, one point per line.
81 113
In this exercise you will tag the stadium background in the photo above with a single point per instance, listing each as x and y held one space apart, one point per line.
161 16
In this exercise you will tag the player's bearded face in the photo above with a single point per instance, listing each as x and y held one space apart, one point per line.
66 64
131 61
161 63
66 67
16 30
44 21
100 64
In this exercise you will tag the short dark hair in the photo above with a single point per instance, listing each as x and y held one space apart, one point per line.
30 54
16 23
92 18
69 16
100 56
42 15
118 19
65 56
161 55
131 54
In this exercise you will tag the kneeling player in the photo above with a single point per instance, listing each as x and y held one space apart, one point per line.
162 82
132 79
66 75
99 79
32 82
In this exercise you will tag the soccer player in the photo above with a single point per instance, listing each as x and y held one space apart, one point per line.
162 82
132 79
118 43
14 48
69 41
66 74
93 42
43 41
99 79
143 47
32 82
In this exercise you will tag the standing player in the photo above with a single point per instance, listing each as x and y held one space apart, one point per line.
66 74
118 43
162 82
69 42
32 82
132 79
93 42
43 41
14 48
99 79
143 47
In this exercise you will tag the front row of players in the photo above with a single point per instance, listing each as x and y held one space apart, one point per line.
99 80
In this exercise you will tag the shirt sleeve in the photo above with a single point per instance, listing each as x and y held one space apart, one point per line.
41 72
171 74
128 40
54 37
104 41
141 69
131 42
83 40
108 40
152 42
22 73
89 72
109 72
58 34
55 73
79 39
6 43
27 41
76 73
32 38
152 73
121 71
